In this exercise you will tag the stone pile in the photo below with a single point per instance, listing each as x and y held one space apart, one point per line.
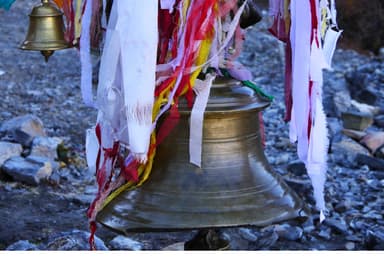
27 154
358 122
353 103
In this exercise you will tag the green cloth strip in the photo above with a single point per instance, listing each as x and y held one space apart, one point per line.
249 84
257 90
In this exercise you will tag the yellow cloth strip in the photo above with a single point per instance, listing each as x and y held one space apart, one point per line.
145 169
287 15
324 25
77 19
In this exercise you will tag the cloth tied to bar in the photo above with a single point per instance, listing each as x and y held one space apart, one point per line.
127 74
310 32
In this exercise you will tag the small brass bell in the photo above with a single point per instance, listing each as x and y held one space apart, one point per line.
46 30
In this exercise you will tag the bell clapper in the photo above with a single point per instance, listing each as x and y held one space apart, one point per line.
207 239
47 54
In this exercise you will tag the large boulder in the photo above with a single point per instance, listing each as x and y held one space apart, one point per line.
29 170
22 129
362 22
9 150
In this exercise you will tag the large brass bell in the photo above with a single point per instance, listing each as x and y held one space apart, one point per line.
235 185
46 30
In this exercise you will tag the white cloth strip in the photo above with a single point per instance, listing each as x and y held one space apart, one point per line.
138 35
85 56
202 90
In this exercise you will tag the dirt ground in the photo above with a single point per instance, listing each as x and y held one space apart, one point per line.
36 213
39 213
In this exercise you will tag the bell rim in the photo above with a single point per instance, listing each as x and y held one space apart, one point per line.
104 219
42 47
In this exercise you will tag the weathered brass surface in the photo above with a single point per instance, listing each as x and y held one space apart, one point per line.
46 30
235 185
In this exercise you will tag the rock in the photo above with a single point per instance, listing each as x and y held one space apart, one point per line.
346 151
281 159
342 102
372 162
381 51
325 234
378 174
23 129
22 245
356 80
309 229
356 121
358 224
366 209
334 129
366 95
248 234
373 141
379 121
354 134
299 185
174 247
379 153
297 168
238 240
125 243
91 190
373 215
338 84
283 143
366 109
44 161
83 199
54 179
374 185
354 238
379 233
267 240
342 206
350 246
45 147
207 239
74 240
8 150
374 240
354 201
338 226
289 232
27 171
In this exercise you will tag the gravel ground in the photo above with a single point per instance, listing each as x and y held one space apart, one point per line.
51 91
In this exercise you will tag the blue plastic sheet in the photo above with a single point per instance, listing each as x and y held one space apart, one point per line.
6 4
